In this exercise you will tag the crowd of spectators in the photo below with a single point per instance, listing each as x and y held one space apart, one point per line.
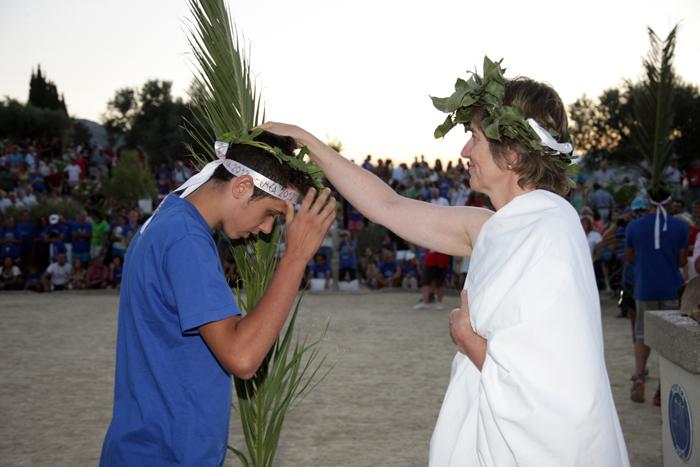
50 252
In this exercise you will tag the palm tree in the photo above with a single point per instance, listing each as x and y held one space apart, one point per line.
653 108
225 100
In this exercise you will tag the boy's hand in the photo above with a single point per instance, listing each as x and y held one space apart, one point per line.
307 227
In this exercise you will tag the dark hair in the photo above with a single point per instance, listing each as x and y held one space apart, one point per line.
541 102
266 164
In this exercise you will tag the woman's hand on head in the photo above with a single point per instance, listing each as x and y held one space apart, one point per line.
301 136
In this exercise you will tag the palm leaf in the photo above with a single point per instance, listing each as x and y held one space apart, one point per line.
224 98
653 106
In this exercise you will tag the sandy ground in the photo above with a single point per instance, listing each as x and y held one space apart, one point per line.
377 407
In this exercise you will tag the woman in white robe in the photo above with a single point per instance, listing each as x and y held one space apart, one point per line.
529 386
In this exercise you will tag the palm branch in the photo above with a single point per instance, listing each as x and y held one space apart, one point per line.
224 98
653 107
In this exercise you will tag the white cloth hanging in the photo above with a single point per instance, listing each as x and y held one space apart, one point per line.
543 397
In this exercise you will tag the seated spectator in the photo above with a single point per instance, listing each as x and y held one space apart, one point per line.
409 271
348 259
10 275
10 242
97 274
57 274
115 272
81 233
34 279
320 270
389 271
78 276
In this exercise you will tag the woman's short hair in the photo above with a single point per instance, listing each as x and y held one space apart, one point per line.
541 102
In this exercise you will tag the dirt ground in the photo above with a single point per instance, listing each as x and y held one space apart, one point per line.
377 407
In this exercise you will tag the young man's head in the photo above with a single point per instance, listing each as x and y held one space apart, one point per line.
246 209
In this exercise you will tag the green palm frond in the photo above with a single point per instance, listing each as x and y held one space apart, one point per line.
654 106
225 99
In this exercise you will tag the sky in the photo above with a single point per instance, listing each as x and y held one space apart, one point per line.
359 71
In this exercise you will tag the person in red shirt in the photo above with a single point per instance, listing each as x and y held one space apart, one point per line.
434 272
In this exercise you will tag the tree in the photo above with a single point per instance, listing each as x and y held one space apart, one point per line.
148 118
44 94
130 180
652 128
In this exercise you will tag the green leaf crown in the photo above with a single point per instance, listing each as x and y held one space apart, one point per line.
296 162
498 121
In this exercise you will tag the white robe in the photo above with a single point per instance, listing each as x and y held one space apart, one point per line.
543 396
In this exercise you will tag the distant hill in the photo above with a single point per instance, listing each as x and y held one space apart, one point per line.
98 132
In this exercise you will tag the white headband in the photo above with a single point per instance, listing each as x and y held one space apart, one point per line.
237 169
547 140
660 211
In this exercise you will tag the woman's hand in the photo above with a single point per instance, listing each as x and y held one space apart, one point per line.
301 136
463 335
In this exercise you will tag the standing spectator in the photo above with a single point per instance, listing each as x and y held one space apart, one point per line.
27 232
693 175
57 274
674 177
73 172
602 201
355 220
347 258
10 275
367 164
180 173
4 201
81 233
28 197
10 241
657 244
434 272
118 237
603 176
100 229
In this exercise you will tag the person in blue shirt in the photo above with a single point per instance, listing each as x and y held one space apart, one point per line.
81 233
10 241
390 273
27 231
320 269
657 244
347 258
180 334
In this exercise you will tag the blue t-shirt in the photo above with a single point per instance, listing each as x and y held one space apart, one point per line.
81 245
172 399
409 270
388 269
10 249
320 271
656 273
27 232
346 251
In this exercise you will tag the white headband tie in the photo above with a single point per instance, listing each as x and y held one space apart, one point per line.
660 211
548 140
235 168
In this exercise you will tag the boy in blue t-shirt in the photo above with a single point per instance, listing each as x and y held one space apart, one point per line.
180 334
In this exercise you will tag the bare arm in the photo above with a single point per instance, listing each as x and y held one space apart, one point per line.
449 230
241 344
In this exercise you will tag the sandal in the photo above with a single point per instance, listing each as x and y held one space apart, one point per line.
643 376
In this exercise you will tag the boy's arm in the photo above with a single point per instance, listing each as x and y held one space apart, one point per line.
241 344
